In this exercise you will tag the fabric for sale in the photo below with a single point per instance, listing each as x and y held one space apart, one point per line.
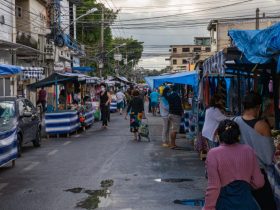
258 46
8 146
63 122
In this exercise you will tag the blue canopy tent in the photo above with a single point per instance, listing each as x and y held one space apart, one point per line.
259 46
6 69
83 69
150 81
184 78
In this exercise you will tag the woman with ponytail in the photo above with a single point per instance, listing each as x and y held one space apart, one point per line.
233 171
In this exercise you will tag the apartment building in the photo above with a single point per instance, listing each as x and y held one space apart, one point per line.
184 57
219 29
27 39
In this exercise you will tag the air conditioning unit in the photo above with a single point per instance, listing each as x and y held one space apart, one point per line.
2 19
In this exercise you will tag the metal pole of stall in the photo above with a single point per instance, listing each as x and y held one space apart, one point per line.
56 94
276 96
239 91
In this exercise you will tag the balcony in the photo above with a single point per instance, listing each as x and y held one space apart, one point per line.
26 39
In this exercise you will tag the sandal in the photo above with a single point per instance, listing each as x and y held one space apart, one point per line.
174 147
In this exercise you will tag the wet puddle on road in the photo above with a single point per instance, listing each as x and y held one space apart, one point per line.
173 180
191 202
96 198
107 183
75 190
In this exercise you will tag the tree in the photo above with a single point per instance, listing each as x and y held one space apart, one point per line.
131 52
89 33
89 30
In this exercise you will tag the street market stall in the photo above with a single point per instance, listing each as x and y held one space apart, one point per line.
251 64
8 130
73 107
189 81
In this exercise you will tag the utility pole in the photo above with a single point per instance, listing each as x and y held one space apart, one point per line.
101 64
257 19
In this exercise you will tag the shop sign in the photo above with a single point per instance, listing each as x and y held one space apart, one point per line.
68 67
58 66
118 57
76 62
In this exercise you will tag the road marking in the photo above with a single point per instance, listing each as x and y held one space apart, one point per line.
52 152
67 142
77 136
31 166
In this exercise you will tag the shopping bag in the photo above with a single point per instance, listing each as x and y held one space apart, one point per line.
144 130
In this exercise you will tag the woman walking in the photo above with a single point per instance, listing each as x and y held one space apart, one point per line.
105 100
233 171
164 112
136 110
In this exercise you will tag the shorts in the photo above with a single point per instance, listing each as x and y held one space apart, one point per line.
154 104
120 105
175 122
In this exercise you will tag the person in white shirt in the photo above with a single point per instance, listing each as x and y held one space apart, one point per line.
164 112
214 115
120 101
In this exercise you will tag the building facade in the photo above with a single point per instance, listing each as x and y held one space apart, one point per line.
28 31
184 57
219 29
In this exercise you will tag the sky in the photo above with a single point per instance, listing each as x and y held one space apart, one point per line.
161 23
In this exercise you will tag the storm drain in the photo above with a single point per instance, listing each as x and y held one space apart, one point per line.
174 180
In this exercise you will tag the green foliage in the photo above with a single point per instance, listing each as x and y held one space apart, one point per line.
132 51
89 33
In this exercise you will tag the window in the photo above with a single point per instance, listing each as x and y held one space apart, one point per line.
197 49
186 49
185 61
208 49
174 50
61 52
7 110
18 12
174 62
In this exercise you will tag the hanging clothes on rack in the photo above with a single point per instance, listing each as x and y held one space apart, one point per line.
213 85
206 91
222 90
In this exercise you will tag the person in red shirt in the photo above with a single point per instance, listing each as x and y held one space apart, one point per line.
42 98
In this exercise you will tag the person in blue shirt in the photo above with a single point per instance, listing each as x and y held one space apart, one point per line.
154 96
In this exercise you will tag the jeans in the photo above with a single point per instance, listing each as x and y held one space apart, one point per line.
165 130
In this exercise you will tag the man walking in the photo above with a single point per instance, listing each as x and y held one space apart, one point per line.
120 101
154 96
175 115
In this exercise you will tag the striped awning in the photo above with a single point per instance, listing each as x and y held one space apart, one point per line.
33 72
215 64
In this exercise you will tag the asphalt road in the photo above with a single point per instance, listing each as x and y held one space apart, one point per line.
131 170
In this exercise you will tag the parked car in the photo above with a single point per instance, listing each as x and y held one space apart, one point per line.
20 112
